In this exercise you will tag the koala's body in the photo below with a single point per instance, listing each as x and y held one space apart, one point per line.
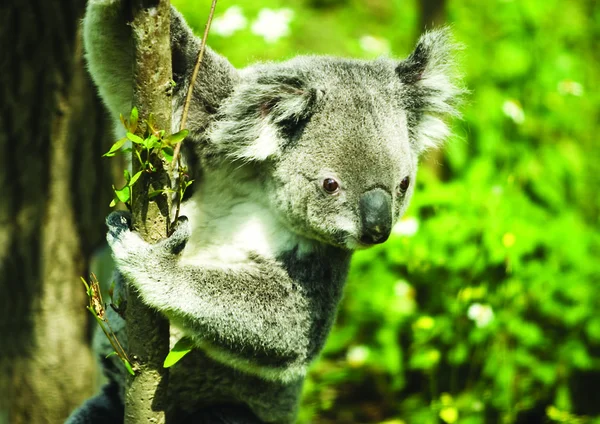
296 165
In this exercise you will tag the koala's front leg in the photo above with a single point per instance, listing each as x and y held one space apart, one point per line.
109 52
250 315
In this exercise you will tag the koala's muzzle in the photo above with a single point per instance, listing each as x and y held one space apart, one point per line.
376 216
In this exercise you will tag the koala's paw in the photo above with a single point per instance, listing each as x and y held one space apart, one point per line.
118 222
122 241
178 240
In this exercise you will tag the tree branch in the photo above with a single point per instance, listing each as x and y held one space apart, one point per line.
147 331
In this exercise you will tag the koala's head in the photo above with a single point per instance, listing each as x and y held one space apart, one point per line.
337 141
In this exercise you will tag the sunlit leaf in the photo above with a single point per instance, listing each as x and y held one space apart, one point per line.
151 142
173 139
168 153
135 178
123 193
133 120
153 193
128 366
181 348
115 147
135 139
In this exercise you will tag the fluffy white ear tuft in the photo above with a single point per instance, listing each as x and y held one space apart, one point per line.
256 121
431 88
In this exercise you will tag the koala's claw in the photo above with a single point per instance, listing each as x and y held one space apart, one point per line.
178 240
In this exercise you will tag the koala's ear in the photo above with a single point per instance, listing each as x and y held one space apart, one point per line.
264 115
216 76
430 89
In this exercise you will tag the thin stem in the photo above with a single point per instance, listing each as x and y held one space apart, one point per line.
188 97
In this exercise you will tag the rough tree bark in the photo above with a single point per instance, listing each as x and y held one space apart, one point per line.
55 194
147 331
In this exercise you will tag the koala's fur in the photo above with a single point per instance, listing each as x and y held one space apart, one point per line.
255 272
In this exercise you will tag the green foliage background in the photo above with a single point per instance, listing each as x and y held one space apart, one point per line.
507 218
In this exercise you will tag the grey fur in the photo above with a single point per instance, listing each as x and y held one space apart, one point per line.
255 272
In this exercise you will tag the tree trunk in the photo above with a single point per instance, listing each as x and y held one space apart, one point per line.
55 193
148 331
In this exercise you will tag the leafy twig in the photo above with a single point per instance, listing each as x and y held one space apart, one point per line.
98 310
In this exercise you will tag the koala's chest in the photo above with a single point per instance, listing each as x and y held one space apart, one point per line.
228 231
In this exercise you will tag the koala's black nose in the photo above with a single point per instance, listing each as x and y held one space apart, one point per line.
376 216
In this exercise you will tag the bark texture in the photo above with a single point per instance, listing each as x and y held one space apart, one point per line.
55 194
147 331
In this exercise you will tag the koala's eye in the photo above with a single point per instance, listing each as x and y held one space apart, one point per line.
330 185
404 184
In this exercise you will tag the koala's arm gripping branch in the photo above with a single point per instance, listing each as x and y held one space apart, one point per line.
250 315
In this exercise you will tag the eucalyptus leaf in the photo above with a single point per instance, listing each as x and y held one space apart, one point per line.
128 366
123 193
152 194
135 178
115 147
173 139
135 139
168 153
181 348
133 120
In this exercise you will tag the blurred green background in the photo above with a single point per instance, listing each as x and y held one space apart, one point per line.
484 306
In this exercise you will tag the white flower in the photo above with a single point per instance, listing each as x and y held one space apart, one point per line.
514 111
231 21
481 314
374 45
570 87
272 24
357 355
402 288
407 227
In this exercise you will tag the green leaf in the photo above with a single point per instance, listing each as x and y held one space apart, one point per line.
154 193
127 175
151 142
122 118
181 348
151 122
128 366
113 202
115 147
113 353
134 138
173 139
88 289
168 153
135 178
133 120
123 194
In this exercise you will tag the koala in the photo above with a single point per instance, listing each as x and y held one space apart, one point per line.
296 165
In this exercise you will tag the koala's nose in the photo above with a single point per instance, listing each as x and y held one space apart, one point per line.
376 216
